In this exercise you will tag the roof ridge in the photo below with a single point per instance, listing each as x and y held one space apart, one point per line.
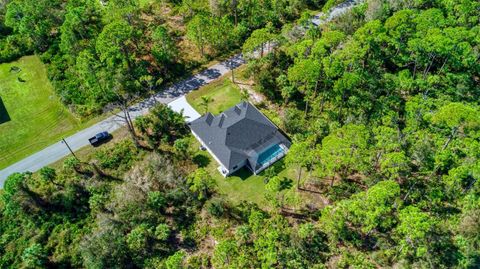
248 119
253 108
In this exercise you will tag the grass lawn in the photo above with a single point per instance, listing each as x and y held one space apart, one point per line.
243 184
222 93
36 118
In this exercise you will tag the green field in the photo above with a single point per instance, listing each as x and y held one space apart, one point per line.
222 93
36 117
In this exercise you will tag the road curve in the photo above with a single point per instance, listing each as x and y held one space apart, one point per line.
58 150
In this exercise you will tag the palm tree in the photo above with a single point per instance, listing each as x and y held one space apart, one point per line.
205 102
244 95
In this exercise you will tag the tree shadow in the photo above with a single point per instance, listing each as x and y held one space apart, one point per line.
287 212
310 190
286 183
275 169
315 187
201 160
344 190
4 116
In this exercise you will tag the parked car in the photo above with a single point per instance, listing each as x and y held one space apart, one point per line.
99 138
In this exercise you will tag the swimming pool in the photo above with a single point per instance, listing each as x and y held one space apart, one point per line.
269 154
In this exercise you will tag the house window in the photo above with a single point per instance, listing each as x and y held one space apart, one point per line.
235 167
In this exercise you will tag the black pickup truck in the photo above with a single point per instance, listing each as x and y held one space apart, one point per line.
99 139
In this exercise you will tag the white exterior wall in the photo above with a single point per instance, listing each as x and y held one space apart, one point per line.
222 167
239 165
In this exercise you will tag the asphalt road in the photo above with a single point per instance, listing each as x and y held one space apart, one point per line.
59 150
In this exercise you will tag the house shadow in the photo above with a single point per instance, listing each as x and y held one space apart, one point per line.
4 116
245 173
242 173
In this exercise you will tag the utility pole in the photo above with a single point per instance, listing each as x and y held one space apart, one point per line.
71 151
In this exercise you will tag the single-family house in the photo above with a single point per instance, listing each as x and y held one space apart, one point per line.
240 136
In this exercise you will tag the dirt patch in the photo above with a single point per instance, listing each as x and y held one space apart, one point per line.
253 96
246 85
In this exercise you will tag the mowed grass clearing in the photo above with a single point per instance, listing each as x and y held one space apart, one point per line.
222 93
37 117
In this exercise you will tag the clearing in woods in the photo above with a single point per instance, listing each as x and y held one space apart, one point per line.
31 116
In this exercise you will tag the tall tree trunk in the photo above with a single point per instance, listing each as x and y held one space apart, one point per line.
130 121
231 68
299 175
429 65
235 11
130 127
322 102
313 97
340 113
202 49
452 135
307 101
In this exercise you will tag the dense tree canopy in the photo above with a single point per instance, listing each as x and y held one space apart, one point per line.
381 103
94 47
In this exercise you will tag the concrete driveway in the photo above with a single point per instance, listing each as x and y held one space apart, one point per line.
182 106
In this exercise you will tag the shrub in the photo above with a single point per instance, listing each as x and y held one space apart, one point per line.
217 207
119 157
161 125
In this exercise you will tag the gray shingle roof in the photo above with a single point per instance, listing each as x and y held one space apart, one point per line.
235 134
